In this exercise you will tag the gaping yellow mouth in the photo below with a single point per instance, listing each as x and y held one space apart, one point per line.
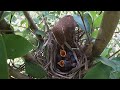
62 53
61 63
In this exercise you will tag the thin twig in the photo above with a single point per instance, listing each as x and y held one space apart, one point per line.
30 20
114 54
32 25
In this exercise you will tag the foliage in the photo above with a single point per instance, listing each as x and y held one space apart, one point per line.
34 70
11 47
3 60
24 40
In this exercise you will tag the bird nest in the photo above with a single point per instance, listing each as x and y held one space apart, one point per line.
70 63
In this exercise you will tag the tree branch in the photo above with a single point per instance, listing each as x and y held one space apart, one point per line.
108 26
32 24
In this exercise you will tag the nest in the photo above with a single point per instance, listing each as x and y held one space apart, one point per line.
46 56
70 61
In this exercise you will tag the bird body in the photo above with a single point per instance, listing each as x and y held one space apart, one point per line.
64 30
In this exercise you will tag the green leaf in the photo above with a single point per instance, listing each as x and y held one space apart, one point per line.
89 17
6 13
34 70
14 19
116 58
39 32
115 64
115 75
93 14
25 32
94 34
3 60
36 20
79 21
106 52
16 46
97 21
117 41
45 13
22 22
99 71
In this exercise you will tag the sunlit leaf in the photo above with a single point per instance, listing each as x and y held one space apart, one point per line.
34 70
22 22
3 60
6 13
97 21
106 52
93 14
95 33
99 71
14 19
16 46
26 32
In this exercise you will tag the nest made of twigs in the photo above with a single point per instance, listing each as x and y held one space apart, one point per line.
47 57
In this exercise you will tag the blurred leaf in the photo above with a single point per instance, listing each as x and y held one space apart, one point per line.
95 33
99 71
106 52
114 63
39 32
23 21
26 32
16 46
45 13
80 22
115 75
51 17
87 22
93 14
41 25
6 13
3 60
34 70
14 18
116 58
89 17
36 20
117 41
97 21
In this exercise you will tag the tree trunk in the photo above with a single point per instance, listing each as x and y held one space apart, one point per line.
108 25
